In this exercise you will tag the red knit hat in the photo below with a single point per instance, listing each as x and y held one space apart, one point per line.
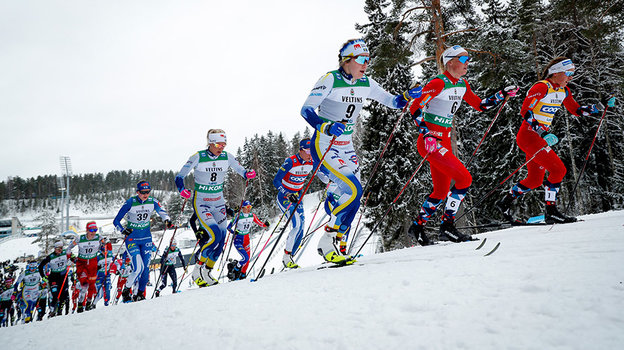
91 226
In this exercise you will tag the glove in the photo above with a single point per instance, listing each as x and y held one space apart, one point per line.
510 91
293 197
200 233
431 143
412 93
250 174
13 297
334 129
229 211
127 231
609 102
168 223
588 110
44 280
267 224
551 139
186 194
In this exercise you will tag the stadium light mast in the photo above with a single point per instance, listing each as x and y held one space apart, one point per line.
66 172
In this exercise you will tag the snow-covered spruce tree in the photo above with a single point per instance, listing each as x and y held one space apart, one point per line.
390 67
49 231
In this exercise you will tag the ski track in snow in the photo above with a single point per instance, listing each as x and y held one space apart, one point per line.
543 289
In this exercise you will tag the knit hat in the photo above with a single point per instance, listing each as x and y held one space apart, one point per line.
451 53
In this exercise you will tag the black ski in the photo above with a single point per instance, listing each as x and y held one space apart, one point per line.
493 250
482 244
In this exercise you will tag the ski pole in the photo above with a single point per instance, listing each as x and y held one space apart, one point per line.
269 239
372 175
114 258
393 202
236 218
355 232
160 242
171 240
187 265
499 184
488 130
586 159
58 298
298 202
317 209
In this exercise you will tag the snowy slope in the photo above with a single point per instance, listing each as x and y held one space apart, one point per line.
559 288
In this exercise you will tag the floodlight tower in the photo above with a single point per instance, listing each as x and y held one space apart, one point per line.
66 171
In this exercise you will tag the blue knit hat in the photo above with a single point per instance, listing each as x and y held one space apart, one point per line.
143 185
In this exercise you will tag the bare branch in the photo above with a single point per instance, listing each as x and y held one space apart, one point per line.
459 31
430 58
405 14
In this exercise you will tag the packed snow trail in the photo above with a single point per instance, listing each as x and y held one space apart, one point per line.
557 289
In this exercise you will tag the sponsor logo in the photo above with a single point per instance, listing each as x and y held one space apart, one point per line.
342 162
350 99
357 46
455 98
354 159
214 168
223 211
211 199
352 92
549 109
316 94
322 87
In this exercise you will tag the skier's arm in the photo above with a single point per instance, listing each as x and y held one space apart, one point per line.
485 104
160 210
182 259
535 94
120 215
186 169
258 222
281 172
236 166
42 264
319 92
571 105
431 90
382 96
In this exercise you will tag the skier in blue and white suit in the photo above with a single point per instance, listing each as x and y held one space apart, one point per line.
137 211
339 96
210 167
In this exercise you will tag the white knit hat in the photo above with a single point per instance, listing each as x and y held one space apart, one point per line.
451 53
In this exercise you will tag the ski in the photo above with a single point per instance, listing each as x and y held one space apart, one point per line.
493 250
482 244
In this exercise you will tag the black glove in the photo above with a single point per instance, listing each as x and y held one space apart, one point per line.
127 231
293 197
168 223
200 233
229 211
267 224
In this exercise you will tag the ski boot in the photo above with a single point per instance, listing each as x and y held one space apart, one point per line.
418 232
504 206
448 232
554 216
157 293
334 257
80 309
202 277
140 296
234 272
288 261
89 305
125 295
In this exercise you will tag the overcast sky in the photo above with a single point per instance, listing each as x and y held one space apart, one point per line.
136 84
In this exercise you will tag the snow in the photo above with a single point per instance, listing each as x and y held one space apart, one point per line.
558 287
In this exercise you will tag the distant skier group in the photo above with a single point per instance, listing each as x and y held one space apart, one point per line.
332 109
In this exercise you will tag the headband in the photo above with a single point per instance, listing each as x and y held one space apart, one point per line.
451 53
215 138
354 48
561 67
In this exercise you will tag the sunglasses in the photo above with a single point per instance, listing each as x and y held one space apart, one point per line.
362 59
463 59
569 73
144 192
93 230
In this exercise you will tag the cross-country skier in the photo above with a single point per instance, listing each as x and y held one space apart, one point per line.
86 264
44 292
289 181
7 294
433 113
58 261
540 105
210 167
106 267
242 224
30 291
138 236
339 96
168 263
123 269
